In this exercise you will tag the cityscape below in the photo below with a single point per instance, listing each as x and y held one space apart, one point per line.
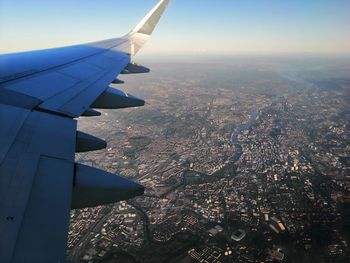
244 159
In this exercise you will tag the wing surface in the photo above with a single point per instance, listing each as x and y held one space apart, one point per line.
41 95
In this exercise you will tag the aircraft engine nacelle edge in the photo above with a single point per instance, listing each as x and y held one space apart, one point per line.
86 143
133 68
113 98
93 187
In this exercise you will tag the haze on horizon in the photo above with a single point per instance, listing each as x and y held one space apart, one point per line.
189 27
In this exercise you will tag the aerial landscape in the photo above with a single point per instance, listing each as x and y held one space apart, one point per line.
243 160
225 139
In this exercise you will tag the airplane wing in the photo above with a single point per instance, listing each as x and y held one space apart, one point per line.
41 94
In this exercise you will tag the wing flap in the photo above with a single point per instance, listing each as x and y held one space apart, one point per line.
43 86
11 119
38 134
77 105
52 189
71 89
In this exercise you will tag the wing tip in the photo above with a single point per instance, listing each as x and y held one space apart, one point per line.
149 22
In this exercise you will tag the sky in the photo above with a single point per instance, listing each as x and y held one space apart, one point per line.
187 27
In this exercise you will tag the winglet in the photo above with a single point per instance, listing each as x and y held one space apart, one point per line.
142 32
149 22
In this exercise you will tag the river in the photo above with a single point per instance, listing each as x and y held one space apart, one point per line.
241 128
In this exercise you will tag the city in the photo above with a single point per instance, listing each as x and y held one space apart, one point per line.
225 139
250 167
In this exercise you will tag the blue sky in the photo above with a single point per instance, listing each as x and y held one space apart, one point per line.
189 26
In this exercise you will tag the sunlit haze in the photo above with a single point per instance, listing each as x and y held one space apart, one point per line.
190 26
